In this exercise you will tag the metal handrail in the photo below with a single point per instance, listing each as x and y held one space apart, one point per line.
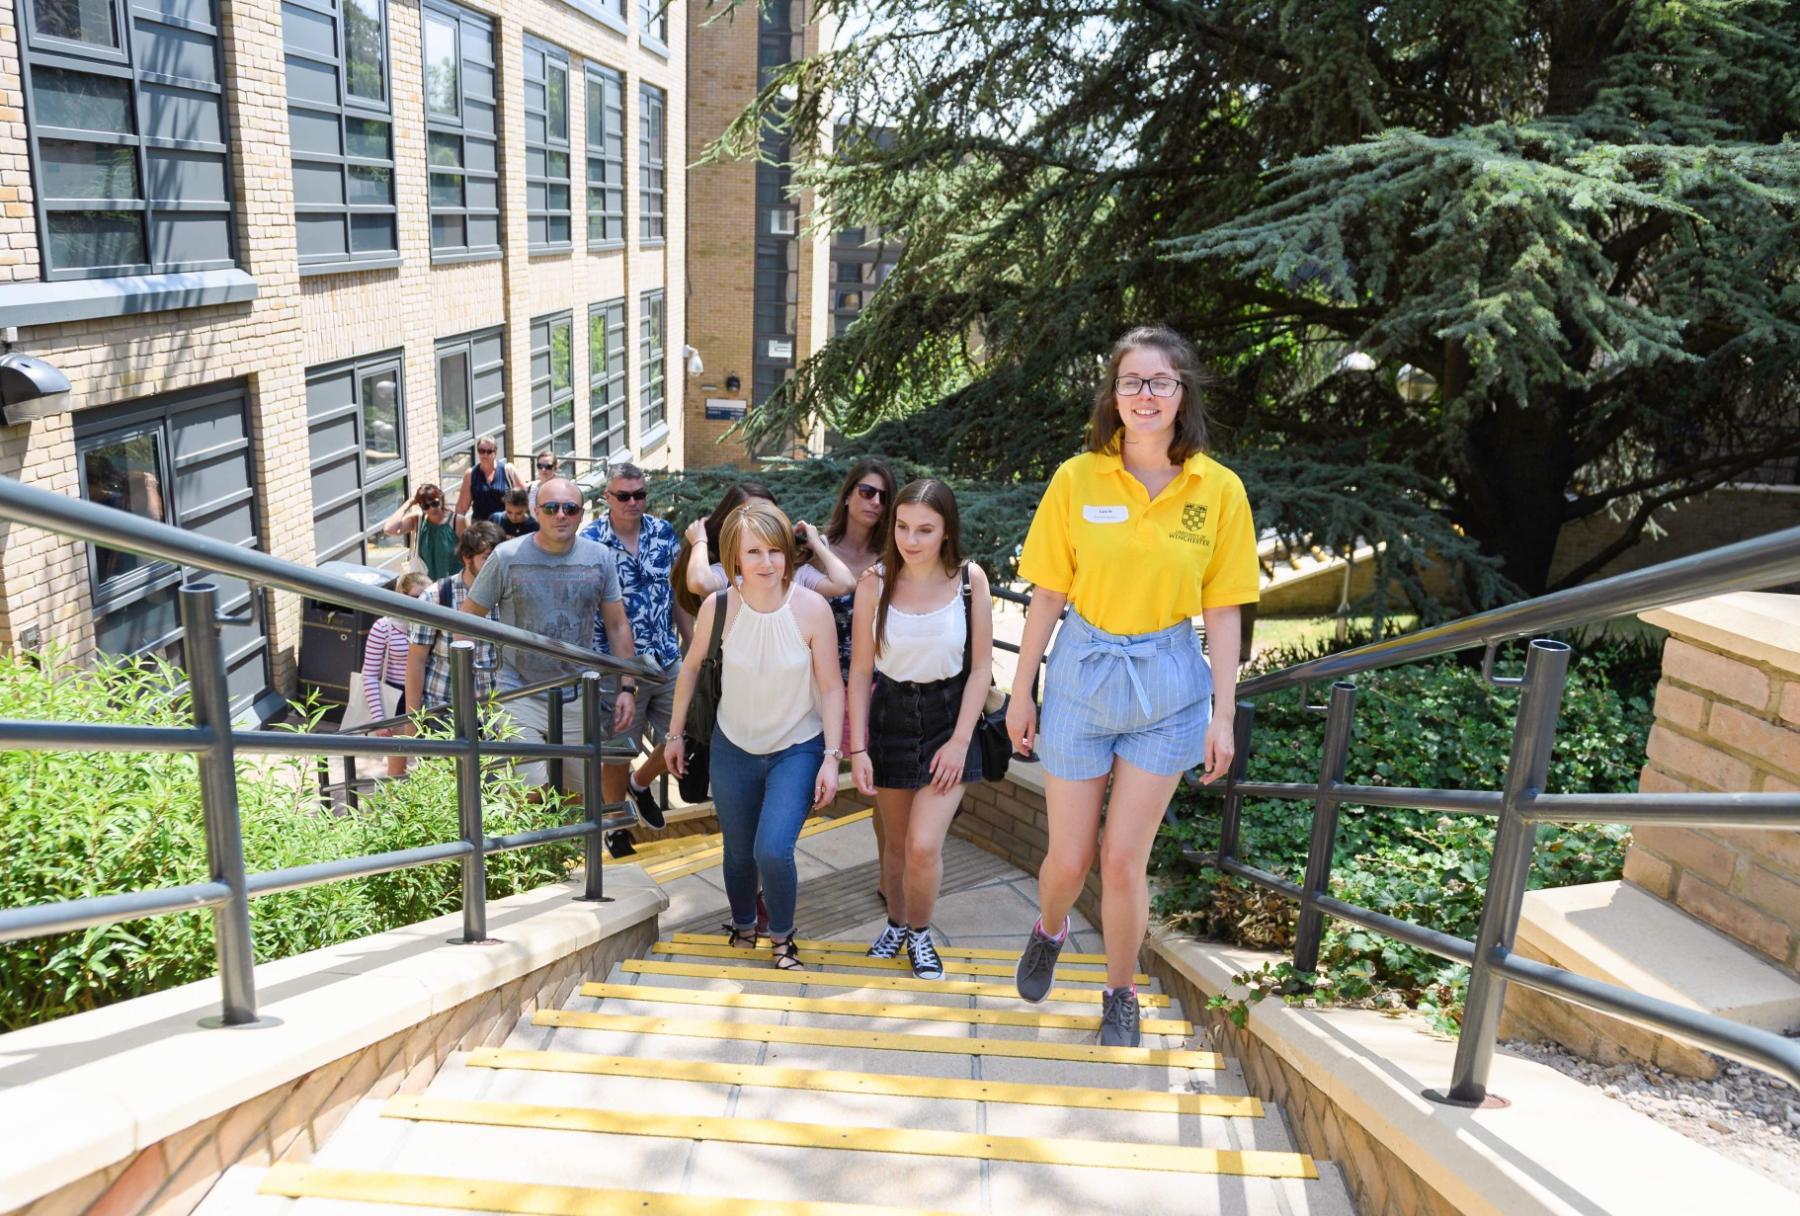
1518 807
1745 566
216 745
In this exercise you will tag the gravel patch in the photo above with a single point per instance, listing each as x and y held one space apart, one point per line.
1744 1114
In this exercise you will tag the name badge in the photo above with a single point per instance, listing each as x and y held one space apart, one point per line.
1105 515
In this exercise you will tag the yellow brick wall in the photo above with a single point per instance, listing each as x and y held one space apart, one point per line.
1727 721
297 323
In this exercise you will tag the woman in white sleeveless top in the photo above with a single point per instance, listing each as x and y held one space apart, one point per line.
918 676
782 698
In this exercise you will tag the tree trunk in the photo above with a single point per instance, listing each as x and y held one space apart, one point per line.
1514 482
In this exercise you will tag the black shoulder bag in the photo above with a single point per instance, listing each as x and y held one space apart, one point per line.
703 711
991 739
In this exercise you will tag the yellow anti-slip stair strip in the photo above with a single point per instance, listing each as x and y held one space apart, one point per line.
843 979
860 961
765 1076
1030 1150
666 870
535 1199
853 947
657 995
872 1040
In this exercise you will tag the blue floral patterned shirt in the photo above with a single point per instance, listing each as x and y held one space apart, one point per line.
644 582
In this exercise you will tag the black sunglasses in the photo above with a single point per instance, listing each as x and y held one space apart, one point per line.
567 508
872 493
546 464
630 495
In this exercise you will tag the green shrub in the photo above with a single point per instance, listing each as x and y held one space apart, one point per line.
74 825
1431 725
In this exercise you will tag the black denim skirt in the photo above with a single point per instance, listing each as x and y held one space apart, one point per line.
907 725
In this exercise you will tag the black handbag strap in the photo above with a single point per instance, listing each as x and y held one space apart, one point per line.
720 605
968 624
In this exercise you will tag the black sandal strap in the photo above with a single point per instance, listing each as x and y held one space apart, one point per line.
739 938
787 956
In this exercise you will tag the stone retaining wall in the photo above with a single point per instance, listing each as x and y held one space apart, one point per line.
290 1121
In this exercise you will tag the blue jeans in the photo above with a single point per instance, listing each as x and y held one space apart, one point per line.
762 801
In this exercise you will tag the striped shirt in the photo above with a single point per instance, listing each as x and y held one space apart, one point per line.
384 661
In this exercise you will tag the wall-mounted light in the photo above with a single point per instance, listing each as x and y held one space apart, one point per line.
1415 384
732 383
694 365
31 389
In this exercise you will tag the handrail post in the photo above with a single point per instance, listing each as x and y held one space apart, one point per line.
1231 815
211 698
593 736
553 732
1311 932
1534 734
467 725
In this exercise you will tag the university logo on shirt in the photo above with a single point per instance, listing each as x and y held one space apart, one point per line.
1193 516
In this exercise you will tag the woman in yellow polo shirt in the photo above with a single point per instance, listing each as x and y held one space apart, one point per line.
1139 534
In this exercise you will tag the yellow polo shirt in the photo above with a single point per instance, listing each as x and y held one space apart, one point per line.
1130 565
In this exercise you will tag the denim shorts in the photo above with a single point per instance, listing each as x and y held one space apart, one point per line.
1146 697
908 723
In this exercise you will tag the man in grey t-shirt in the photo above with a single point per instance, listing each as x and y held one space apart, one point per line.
553 582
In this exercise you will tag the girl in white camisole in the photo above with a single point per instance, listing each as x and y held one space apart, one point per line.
914 703
781 699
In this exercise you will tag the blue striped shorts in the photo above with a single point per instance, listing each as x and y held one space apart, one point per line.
1146 697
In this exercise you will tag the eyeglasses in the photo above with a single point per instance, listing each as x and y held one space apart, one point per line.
431 504
565 508
629 495
546 464
484 451
872 493
1157 386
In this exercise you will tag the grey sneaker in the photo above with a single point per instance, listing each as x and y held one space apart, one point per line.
1037 964
1119 1018
892 938
925 962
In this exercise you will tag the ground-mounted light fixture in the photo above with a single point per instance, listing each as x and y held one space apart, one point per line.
31 389
1415 384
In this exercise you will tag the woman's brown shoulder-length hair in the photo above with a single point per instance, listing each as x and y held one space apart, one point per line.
1190 423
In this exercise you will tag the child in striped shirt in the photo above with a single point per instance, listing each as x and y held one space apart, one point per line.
384 666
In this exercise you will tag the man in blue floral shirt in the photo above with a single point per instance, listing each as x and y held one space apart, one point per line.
644 547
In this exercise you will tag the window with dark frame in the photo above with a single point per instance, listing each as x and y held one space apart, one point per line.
553 388
653 20
471 381
652 401
128 138
775 308
341 130
652 173
606 379
547 147
183 459
463 144
605 157
356 429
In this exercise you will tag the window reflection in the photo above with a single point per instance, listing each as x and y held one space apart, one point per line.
126 474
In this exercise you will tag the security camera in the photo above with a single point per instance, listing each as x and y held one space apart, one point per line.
31 389
694 365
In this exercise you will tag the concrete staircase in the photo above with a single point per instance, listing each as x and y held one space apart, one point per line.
699 1079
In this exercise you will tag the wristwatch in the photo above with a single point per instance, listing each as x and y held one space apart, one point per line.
630 688
835 753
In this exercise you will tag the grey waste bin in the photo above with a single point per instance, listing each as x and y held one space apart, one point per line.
332 636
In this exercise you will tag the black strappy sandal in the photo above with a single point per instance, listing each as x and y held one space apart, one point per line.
739 939
787 956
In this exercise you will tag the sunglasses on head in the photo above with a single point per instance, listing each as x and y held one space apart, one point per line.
565 508
629 495
872 493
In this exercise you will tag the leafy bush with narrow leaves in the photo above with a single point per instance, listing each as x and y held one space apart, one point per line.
76 824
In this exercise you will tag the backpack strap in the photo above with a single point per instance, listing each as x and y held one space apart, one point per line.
446 594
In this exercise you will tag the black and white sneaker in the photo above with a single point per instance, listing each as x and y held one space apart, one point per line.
889 944
925 962
649 809
619 843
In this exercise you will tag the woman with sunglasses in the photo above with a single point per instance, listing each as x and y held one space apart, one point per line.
546 471
436 528
1139 534
484 486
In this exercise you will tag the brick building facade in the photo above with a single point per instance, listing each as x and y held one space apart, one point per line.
296 257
